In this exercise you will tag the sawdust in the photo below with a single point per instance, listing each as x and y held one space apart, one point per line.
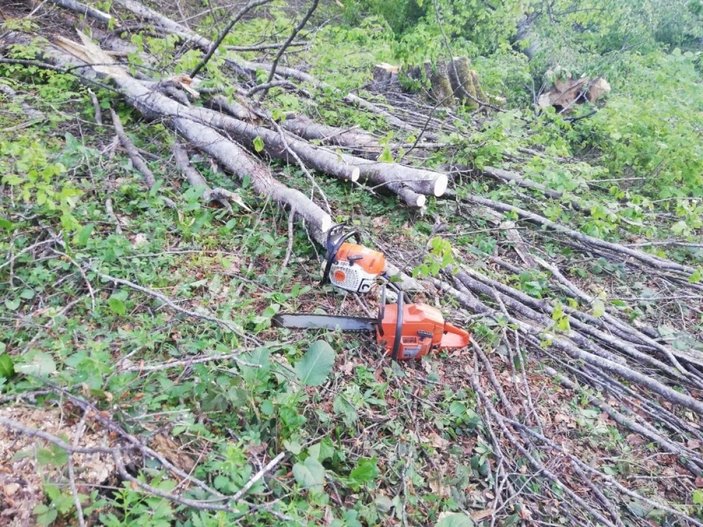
22 477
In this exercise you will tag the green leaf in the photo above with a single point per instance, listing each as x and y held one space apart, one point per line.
45 515
322 450
258 144
39 364
7 367
27 294
696 276
6 224
680 227
117 305
53 455
13 304
598 307
316 364
386 155
364 472
83 235
310 473
454 519
293 446
697 497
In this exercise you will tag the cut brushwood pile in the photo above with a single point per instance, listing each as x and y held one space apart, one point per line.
640 383
568 92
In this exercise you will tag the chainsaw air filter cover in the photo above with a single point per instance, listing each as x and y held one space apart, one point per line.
355 268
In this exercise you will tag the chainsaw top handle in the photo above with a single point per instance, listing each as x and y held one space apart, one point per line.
398 326
399 317
335 238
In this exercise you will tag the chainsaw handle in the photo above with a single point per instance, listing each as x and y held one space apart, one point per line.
398 327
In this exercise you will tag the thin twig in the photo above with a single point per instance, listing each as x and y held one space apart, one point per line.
256 477
291 235
261 47
96 107
91 292
137 159
71 475
33 432
223 35
170 303
287 43
188 362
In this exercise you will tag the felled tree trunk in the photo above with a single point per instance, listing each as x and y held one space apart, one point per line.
440 85
308 129
449 83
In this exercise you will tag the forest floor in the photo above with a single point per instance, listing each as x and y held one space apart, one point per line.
209 392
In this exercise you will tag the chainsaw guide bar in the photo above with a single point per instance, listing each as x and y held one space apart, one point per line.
332 322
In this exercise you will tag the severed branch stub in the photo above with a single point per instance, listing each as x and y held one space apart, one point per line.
132 152
223 196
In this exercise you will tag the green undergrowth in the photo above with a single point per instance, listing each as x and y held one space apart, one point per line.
347 443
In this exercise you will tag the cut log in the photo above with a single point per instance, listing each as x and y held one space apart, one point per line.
233 108
385 74
195 125
480 95
568 92
598 88
405 181
166 23
152 104
83 9
459 72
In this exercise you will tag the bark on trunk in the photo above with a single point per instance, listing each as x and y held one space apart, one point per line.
306 128
83 9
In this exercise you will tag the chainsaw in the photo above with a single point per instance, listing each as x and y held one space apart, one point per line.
407 331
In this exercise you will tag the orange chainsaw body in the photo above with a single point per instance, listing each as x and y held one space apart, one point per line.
423 330
355 267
